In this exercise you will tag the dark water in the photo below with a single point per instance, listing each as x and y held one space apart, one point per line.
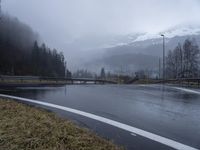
165 111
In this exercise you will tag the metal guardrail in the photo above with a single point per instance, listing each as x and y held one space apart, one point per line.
178 80
4 77
182 80
85 80
29 78
186 81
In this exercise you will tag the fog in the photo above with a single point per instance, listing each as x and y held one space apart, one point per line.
84 27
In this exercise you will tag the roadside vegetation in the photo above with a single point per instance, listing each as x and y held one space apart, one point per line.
26 127
147 81
183 60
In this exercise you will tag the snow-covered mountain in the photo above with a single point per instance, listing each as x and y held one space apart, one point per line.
143 50
172 32
152 43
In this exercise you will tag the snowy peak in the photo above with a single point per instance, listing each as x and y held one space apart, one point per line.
170 33
183 31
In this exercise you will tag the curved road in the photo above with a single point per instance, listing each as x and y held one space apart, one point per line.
170 114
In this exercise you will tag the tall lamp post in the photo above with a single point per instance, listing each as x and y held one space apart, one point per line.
159 68
66 72
0 9
163 57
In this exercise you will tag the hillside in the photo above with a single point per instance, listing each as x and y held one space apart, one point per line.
20 53
142 52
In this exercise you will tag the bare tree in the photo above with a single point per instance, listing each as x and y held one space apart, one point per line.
191 58
183 61
170 65
178 60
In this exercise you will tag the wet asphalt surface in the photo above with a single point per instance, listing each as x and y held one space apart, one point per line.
158 109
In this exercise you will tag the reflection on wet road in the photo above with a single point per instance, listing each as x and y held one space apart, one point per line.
166 111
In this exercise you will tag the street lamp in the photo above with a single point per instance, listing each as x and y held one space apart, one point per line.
163 56
0 9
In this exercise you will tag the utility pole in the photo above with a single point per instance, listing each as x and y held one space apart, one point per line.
159 68
0 11
66 72
181 53
163 56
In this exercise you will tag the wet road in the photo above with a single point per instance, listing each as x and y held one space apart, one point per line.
163 110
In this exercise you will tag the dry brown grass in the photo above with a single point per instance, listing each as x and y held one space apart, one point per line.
146 81
23 127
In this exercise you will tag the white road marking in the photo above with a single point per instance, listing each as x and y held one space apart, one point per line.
145 85
186 90
177 88
154 137
133 134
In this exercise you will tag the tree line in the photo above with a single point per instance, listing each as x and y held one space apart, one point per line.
183 60
20 53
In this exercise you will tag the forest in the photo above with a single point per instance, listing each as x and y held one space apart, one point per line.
20 53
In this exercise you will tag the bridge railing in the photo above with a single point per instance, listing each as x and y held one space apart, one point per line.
5 77
57 79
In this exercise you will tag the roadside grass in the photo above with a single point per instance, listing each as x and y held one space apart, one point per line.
146 81
176 83
25 127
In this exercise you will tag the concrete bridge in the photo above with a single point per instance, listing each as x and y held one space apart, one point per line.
82 80
14 81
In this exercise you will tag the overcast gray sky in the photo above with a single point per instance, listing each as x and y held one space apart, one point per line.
74 25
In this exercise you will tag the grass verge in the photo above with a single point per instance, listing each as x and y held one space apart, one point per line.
25 127
147 81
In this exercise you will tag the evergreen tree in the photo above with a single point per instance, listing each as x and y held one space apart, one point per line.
103 74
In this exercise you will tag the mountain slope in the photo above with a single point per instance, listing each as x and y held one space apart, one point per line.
143 51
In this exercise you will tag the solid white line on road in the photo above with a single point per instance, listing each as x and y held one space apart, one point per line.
154 137
186 90
177 88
